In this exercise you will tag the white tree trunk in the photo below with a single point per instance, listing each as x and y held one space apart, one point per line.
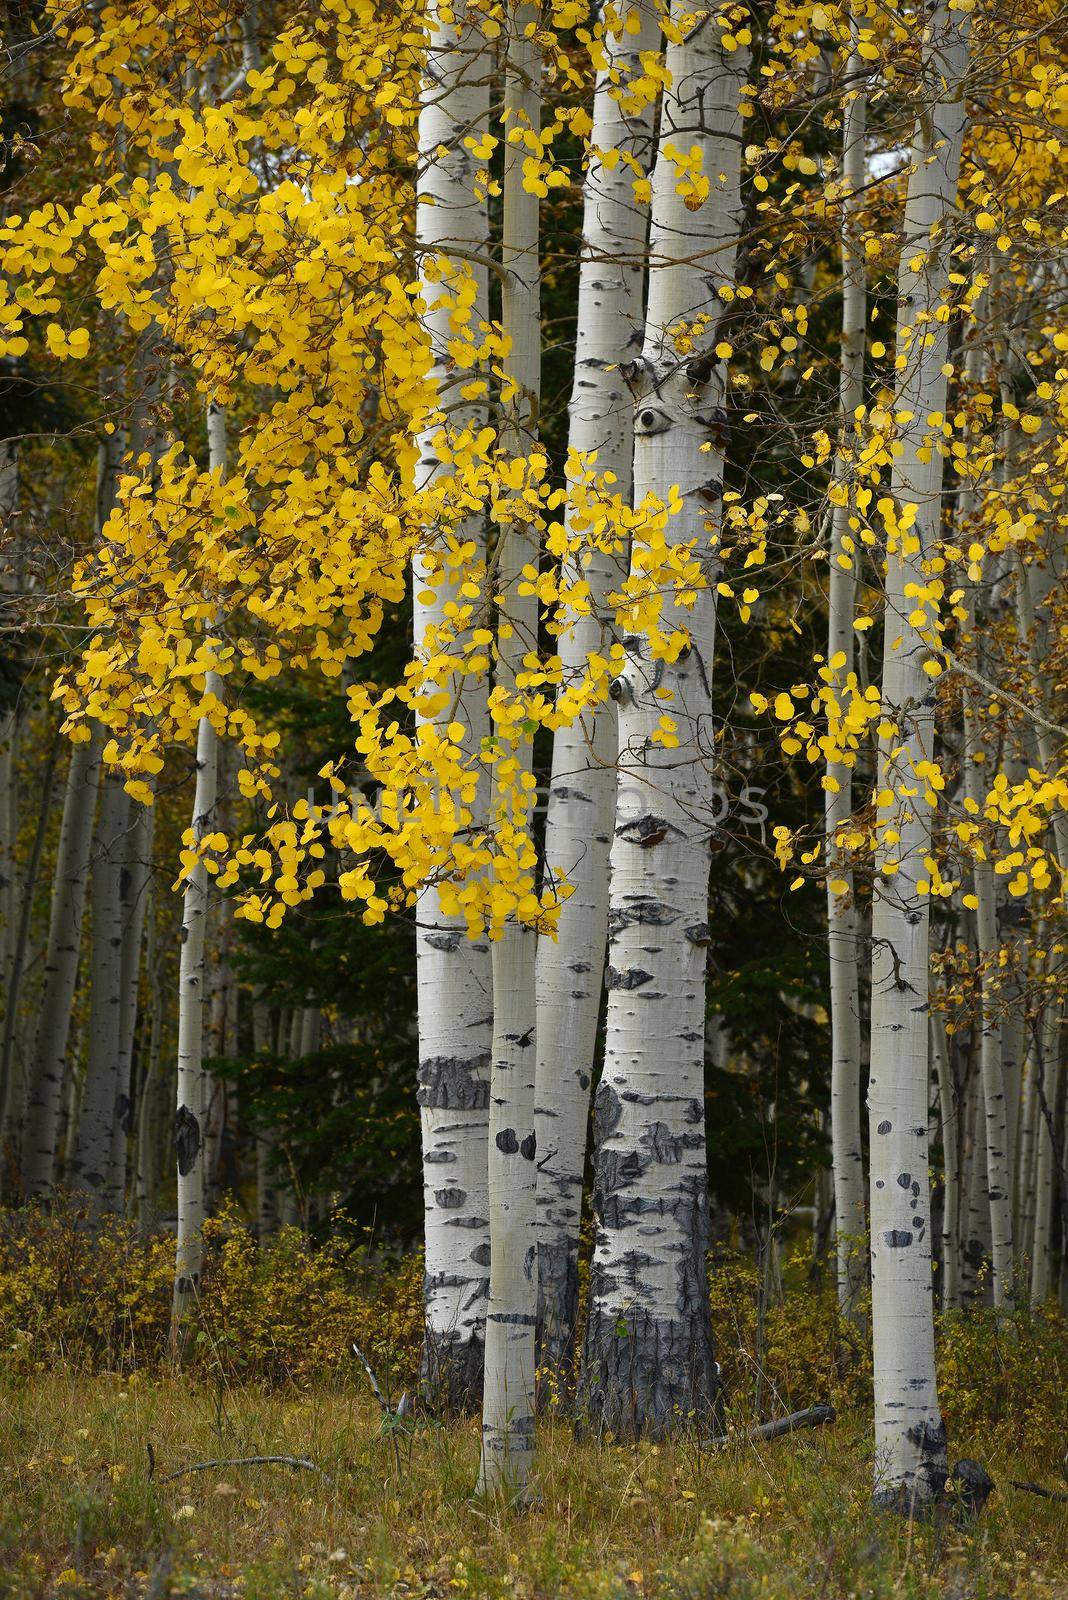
49 1067
1023 1222
948 1113
843 949
910 1439
975 1259
136 886
988 946
13 1084
648 1279
1045 1159
508 1388
150 1101
578 828
93 1169
190 1117
9 729
453 972
266 1177
8 843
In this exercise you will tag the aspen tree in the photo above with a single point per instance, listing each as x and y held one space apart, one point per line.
1049 1063
150 1099
189 1121
49 1066
453 971
947 1107
910 1439
648 1358
9 726
13 1087
508 1387
988 945
266 1181
136 881
93 1169
581 805
842 916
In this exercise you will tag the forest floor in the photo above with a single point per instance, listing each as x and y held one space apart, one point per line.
87 1508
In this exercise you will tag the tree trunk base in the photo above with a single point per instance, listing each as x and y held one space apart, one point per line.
647 1378
450 1375
960 1498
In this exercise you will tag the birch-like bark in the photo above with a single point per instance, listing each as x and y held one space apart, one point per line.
13 1086
190 1116
578 827
975 1255
843 950
266 1178
147 1177
136 881
454 981
988 946
9 727
910 1438
93 1171
648 1363
947 1110
50 1061
1023 1222
1045 1160
8 841
1032 634
508 1387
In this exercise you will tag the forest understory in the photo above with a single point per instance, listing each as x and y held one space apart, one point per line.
100 1433
390 1512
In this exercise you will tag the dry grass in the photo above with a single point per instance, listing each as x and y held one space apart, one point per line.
81 1515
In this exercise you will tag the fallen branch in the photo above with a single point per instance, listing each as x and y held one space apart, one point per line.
1036 1488
246 1461
812 1417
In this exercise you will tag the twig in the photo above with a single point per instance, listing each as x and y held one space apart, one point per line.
1036 1488
812 1417
403 1405
247 1461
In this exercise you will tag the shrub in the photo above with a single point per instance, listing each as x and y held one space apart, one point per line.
99 1298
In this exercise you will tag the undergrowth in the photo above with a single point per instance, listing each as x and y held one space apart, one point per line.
93 1422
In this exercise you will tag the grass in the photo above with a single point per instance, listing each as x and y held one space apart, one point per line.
82 1515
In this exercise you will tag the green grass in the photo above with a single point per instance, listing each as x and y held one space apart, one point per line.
81 1515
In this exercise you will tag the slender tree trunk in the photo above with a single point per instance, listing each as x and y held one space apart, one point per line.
49 1067
843 948
9 729
1023 1225
578 828
977 1244
148 1173
190 1116
453 972
947 1105
93 1169
910 1438
136 881
13 1088
1045 1160
8 844
508 1389
988 947
648 1363
266 1179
